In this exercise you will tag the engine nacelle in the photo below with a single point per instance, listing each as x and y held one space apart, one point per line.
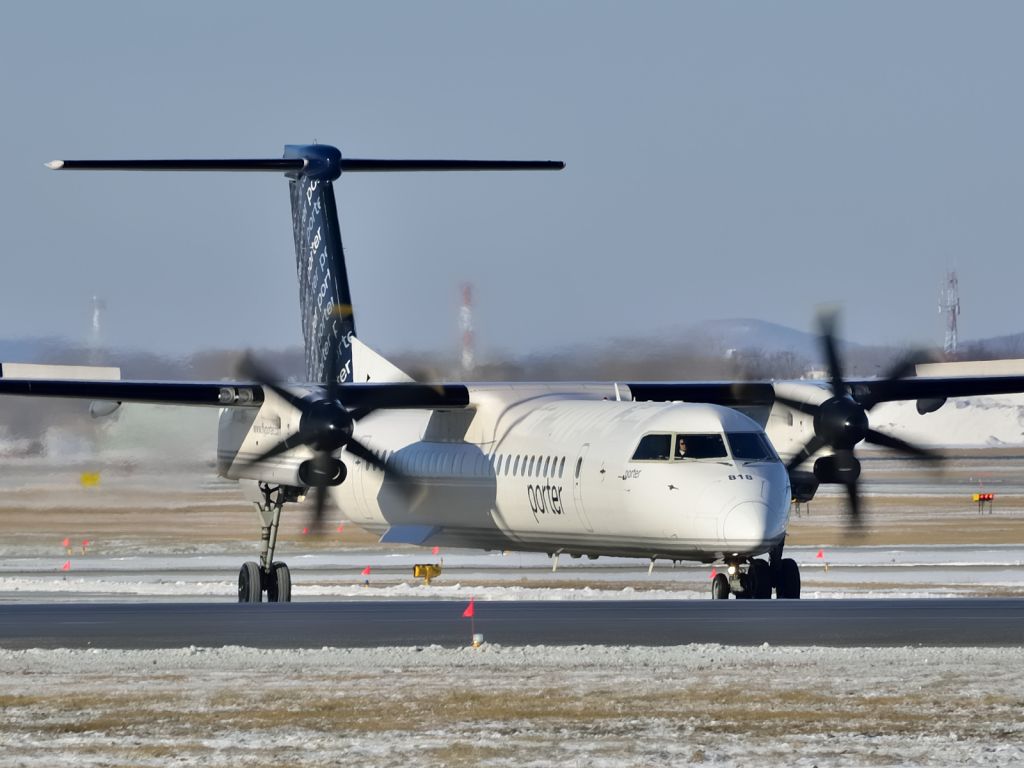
804 485
837 469
313 473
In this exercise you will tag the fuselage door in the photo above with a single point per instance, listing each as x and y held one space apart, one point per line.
578 470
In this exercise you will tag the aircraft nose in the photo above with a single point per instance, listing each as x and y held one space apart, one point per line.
749 524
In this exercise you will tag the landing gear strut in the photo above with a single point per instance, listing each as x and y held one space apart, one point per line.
751 578
267 576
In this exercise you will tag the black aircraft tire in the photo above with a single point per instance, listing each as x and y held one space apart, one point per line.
761 579
789 580
720 587
279 585
747 591
250 583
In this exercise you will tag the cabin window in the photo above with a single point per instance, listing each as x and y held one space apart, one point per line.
579 466
515 467
699 447
653 448
561 466
547 465
529 472
751 446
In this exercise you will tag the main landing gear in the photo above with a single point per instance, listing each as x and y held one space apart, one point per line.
750 578
267 576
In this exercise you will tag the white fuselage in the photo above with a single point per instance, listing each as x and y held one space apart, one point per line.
530 467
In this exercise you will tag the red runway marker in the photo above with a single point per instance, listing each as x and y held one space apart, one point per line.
341 527
66 542
436 550
714 572
66 566
821 554
470 609
366 571
305 531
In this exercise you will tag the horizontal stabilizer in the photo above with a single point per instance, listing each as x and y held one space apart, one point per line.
354 164
320 161
274 164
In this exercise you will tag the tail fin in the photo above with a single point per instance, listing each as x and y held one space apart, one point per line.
325 302
324 298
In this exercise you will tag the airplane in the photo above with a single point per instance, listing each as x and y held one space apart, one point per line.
695 471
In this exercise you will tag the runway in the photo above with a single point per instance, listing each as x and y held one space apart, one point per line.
366 624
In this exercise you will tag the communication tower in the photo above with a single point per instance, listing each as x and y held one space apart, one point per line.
949 303
466 326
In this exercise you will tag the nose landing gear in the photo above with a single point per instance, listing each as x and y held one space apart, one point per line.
750 578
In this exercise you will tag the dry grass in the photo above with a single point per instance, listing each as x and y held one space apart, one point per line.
39 508
406 701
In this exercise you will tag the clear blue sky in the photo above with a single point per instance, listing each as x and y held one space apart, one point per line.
724 160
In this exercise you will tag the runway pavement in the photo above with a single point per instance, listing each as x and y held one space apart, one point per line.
930 622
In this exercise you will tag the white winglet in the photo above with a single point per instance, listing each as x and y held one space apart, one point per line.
55 165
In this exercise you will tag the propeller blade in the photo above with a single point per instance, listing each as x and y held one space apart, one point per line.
358 449
318 510
362 411
896 444
812 446
292 441
266 378
905 366
828 341
853 496
410 490
796 405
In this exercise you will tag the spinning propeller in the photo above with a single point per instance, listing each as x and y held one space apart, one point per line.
840 422
326 425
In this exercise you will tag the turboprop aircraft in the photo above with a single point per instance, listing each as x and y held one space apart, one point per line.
659 470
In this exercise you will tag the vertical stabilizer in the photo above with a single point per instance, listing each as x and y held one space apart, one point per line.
325 302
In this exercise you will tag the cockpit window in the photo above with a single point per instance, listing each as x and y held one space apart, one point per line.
751 446
653 448
699 447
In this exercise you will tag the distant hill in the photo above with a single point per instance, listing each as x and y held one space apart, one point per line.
747 334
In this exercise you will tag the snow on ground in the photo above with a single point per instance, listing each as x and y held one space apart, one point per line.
883 572
965 421
533 706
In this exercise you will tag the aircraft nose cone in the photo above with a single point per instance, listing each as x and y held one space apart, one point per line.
748 524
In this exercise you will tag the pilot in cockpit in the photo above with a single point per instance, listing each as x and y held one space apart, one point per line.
681 448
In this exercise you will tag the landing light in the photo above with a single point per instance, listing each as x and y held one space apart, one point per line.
732 570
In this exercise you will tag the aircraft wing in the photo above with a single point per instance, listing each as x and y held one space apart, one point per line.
939 387
220 394
753 393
